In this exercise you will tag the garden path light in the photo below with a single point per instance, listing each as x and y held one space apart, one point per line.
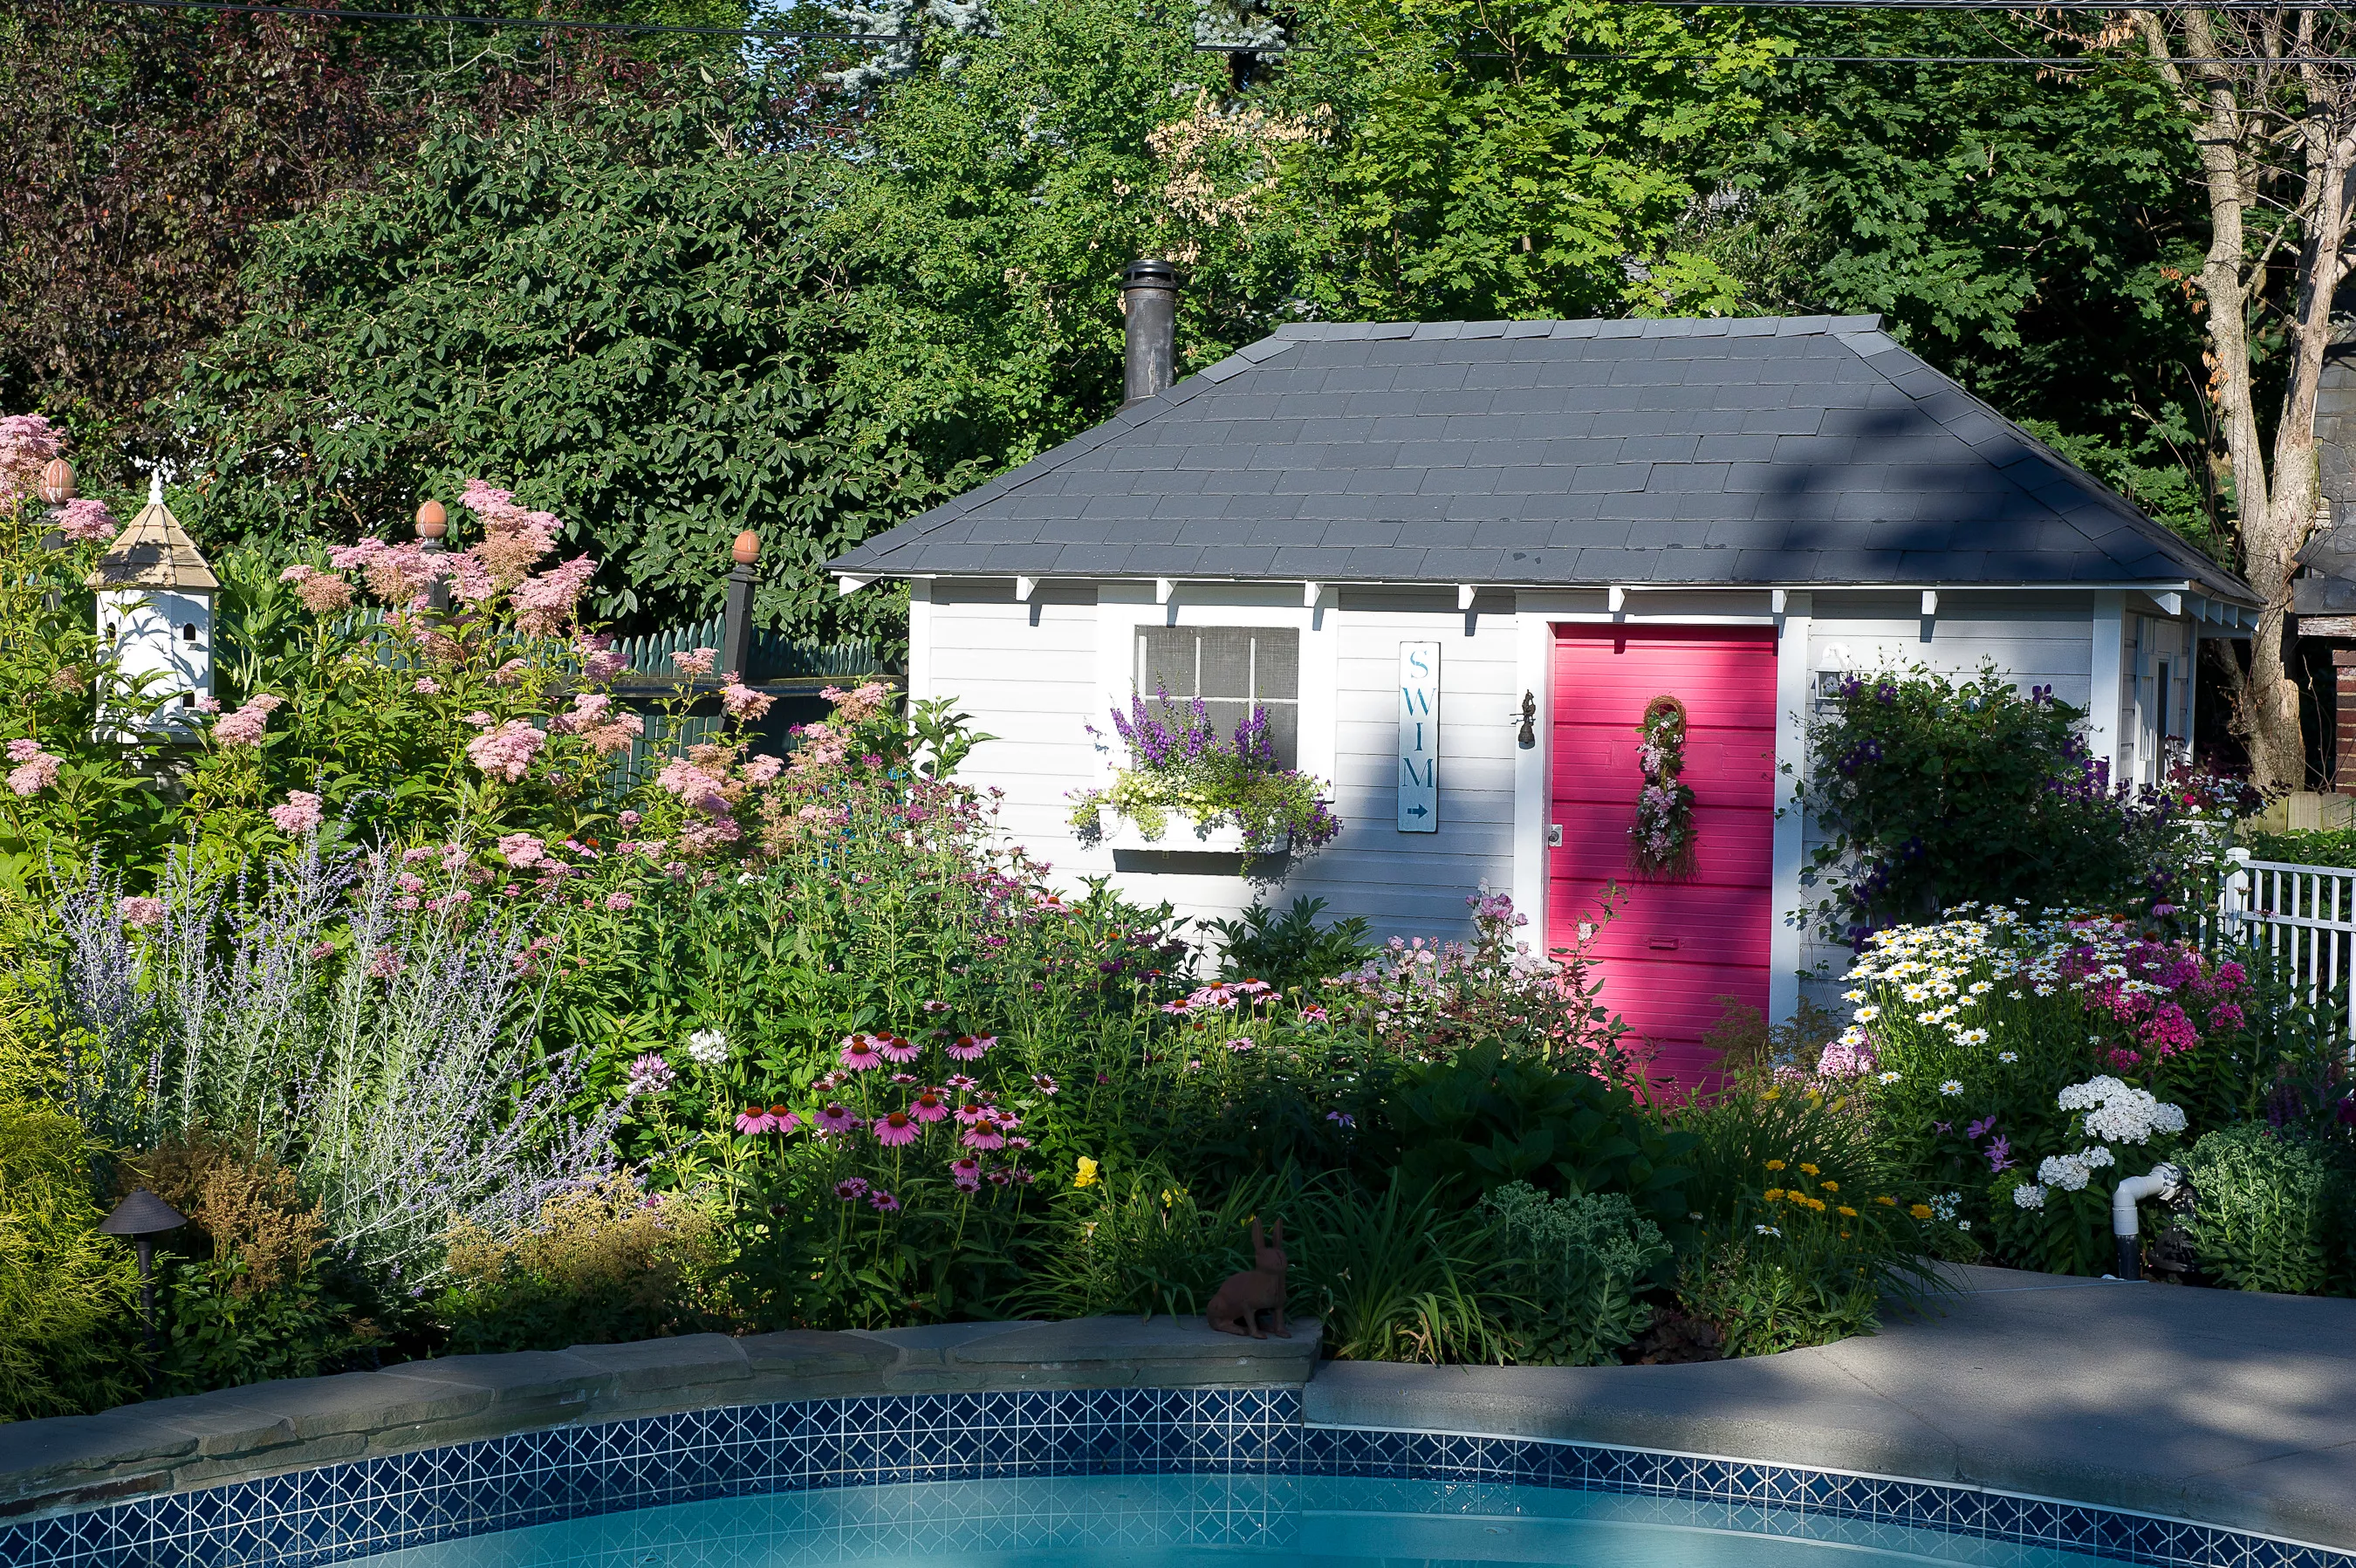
143 1217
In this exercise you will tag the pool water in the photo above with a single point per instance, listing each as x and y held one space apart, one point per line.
1215 1521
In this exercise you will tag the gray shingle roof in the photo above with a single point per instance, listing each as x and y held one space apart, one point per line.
1783 450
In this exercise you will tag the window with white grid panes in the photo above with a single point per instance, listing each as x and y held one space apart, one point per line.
1233 668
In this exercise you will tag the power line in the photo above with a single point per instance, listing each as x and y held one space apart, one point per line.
544 24
532 24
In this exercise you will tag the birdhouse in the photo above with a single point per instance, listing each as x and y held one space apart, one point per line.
155 598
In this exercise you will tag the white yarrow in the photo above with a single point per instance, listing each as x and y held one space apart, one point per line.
2029 1195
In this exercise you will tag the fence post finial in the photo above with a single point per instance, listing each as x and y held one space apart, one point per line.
736 627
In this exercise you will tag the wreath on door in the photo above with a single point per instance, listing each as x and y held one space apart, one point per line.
1662 838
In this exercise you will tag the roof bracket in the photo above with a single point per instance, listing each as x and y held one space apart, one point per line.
1464 592
1929 601
1616 598
850 584
1310 593
2170 604
1777 600
1024 587
1164 587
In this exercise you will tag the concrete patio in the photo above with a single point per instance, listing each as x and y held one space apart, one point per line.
2229 1408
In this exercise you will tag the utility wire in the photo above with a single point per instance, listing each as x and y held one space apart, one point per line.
543 24
531 24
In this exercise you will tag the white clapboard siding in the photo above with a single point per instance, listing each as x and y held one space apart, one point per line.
1029 685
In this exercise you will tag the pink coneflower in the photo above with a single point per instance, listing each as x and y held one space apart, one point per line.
934 1009
984 1134
898 1050
970 1047
828 1083
787 1120
905 1079
882 1202
1240 1044
1000 1178
928 1106
1341 1118
834 1119
1314 1013
1019 1144
1022 1175
967 1115
1044 1084
1179 1008
859 1053
959 1081
967 1173
850 1187
1255 988
752 1120
896 1128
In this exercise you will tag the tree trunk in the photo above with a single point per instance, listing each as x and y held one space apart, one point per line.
2237 111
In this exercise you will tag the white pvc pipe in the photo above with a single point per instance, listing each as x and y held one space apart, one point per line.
2157 1183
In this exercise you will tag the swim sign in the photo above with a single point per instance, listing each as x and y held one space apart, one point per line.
1419 738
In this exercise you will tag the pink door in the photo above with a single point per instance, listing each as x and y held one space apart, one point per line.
1676 947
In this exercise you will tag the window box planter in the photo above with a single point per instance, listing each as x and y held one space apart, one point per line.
1182 834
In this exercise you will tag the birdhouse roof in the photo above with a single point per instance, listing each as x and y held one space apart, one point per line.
155 551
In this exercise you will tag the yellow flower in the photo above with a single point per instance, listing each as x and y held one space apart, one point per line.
1840 1102
1887 1202
1816 1203
1811 1170
1773 1194
1773 1094
1844 1235
1088 1173
1831 1186
1846 1213
1774 1165
1919 1210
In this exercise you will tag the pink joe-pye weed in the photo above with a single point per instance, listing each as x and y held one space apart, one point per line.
84 521
36 769
27 443
743 703
245 726
300 814
696 663
141 911
507 752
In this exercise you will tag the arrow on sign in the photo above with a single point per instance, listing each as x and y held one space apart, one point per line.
1418 810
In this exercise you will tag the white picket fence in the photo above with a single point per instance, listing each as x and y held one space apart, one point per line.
2303 915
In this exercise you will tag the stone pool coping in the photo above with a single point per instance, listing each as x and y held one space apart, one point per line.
173 1446
2227 1407
2216 1412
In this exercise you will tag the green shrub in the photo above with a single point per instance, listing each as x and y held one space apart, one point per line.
1485 1118
1137 1241
601 1265
1935 789
1290 949
249 1290
67 1292
1768 1294
1578 1261
2263 1211
2309 848
1408 1275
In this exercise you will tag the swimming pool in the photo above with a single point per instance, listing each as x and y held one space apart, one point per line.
1127 1477
1217 1521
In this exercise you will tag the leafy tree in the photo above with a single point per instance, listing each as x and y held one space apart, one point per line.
619 308
2277 156
2024 230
